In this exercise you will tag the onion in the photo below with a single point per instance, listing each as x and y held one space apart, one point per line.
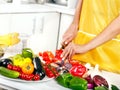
100 81
90 85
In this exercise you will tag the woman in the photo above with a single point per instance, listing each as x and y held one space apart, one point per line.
94 34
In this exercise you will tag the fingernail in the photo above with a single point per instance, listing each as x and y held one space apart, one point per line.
65 42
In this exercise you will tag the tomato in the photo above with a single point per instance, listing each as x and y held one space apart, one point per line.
26 76
10 66
74 62
50 71
47 56
36 77
40 53
15 68
28 68
58 54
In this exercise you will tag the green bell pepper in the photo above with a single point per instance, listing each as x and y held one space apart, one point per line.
101 88
64 79
113 87
27 52
78 83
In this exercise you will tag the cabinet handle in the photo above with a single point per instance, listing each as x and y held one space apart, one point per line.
34 23
41 24
38 24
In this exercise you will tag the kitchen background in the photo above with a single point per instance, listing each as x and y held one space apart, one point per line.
40 23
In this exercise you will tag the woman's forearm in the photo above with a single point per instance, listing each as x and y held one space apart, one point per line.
76 18
109 33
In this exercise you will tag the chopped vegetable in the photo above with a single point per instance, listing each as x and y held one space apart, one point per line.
100 81
47 56
50 71
78 70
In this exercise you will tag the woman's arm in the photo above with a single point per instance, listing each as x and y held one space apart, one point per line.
76 18
109 33
71 32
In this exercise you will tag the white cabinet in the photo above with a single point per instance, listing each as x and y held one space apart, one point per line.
42 28
4 23
45 35
22 23
64 24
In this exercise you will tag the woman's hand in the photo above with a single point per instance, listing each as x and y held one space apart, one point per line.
73 49
70 34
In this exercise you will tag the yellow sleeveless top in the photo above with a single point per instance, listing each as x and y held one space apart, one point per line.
95 16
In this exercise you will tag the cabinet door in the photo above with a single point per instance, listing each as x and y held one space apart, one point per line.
64 24
23 23
46 32
5 23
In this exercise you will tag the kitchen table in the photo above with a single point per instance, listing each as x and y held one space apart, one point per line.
52 84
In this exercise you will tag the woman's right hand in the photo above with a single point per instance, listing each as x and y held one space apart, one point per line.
70 34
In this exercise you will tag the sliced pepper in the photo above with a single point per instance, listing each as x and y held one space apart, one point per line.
64 79
78 83
78 70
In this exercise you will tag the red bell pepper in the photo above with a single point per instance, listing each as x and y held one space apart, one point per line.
78 70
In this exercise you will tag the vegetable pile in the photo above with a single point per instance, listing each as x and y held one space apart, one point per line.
75 77
70 74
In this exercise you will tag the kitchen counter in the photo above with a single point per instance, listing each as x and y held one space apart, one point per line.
34 8
52 84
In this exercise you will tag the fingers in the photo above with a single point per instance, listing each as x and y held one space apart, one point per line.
66 39
68 52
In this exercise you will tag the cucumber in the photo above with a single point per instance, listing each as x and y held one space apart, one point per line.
9 73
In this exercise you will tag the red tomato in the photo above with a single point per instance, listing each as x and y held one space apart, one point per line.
10 66
58 54
74 62
15 68
36 77
48 56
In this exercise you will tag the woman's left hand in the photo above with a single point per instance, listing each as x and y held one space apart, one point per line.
72 49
